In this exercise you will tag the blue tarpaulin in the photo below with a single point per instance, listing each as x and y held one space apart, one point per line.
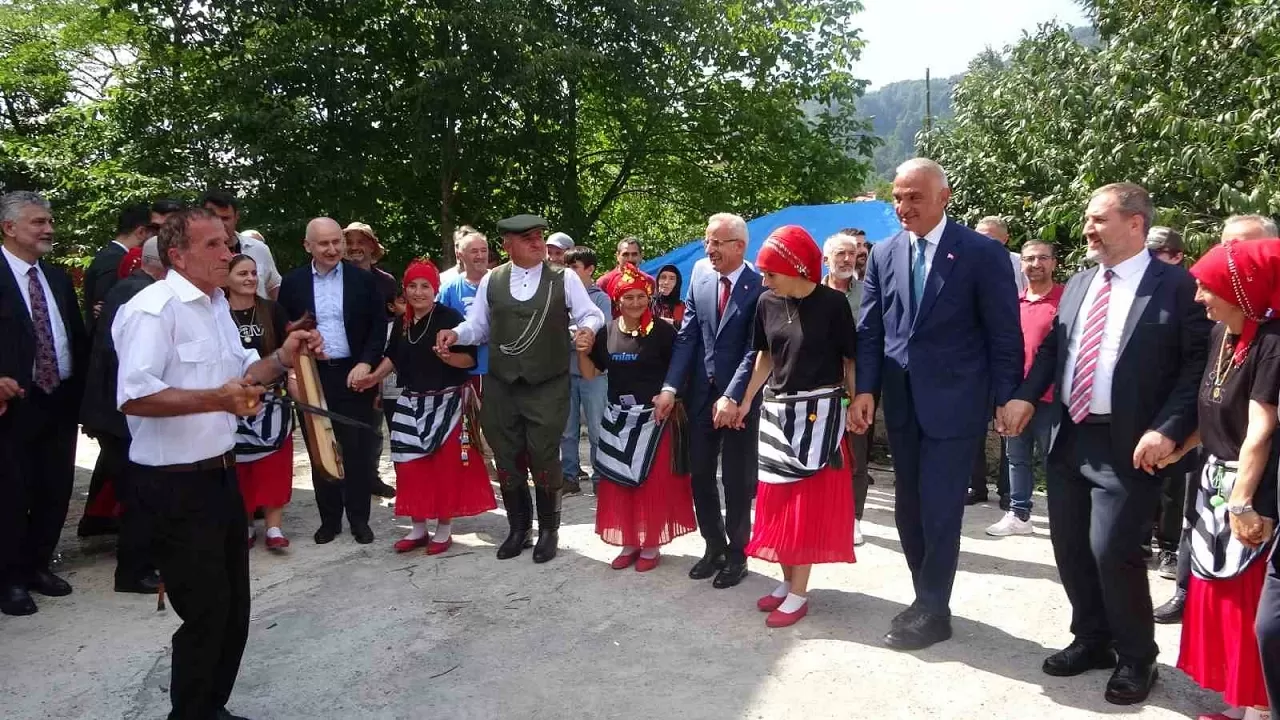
822 221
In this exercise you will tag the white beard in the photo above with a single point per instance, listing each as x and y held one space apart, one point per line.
842 274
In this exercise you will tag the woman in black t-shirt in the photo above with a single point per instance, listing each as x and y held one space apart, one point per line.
264 443
440 473
804 340
646 497
1233 515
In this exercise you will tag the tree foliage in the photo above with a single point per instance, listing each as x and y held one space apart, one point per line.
1176 95
609 118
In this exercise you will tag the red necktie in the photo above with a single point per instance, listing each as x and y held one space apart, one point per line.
725 287
46 369
1090 345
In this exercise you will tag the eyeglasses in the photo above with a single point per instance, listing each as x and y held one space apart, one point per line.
1033 258
720 243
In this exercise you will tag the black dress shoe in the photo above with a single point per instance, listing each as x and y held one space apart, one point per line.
15 600
570 486
147 585
91 525
1131 683
224 714
1079 658
48 584
913 610
383 490
1170 613
919 632
707 566
326 534
973 498
362 534
730 575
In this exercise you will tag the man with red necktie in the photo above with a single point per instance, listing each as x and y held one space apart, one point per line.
1124 355
41 374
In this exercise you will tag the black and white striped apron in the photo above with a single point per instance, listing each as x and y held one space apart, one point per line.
422 422
627 443
264 433
800 433
1216 553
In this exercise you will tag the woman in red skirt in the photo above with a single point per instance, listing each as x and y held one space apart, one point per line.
440 474
645 499
804 338
264 443
1234 512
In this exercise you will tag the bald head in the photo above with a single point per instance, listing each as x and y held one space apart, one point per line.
324 243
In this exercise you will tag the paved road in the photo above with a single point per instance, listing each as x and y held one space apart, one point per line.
345 630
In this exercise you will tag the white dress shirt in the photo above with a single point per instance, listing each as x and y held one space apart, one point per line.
172 335
268 276
330 321
932 238
733 280
524 283
61 342
1124 288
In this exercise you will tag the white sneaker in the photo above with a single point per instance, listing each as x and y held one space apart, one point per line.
1011 525
858 540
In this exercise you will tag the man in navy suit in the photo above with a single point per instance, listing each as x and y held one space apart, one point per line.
713 355
939 337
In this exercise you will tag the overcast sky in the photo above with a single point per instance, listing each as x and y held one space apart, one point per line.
906 36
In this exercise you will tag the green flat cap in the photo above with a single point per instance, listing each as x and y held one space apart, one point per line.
520 224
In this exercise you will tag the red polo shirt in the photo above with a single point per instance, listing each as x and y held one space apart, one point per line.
1037 321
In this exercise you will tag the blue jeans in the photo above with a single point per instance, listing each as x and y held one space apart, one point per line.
586 397
1022 451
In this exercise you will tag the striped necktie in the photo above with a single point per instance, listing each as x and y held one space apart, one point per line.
1090 346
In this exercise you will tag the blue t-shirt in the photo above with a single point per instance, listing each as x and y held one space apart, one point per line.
459 295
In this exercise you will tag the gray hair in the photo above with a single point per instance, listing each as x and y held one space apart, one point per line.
11 204
735 223
1267 225
926 165
828 245
1134 200
176 231
996 221
466 233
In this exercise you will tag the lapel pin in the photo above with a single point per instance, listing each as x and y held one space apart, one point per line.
951 256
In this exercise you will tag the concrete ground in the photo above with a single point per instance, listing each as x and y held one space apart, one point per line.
346 630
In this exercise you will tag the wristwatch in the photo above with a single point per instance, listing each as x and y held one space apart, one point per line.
1240 509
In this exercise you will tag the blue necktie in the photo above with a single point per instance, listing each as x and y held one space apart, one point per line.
918 276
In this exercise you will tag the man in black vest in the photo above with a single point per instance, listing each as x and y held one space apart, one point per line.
523 310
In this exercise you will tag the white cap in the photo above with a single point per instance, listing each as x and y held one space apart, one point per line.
151 249
560 240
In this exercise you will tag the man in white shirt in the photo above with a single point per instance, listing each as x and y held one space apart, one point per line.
227 208
184 377
523 310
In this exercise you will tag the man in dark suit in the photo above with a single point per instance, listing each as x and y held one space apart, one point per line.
713 355
44 335
1125 357
940 338
133 227
351 316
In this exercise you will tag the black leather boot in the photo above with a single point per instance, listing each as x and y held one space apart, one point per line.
519 506
548 524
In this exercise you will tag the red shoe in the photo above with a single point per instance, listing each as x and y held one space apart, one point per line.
277 543
644 564
435 548
769 603
405 545
624 560
1215 716
779 619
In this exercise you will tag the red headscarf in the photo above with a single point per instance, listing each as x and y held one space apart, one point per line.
1245 273
631 278
790 250
420 269
132 261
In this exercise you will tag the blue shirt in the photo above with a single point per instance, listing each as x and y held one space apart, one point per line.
602 301
459 294
329 319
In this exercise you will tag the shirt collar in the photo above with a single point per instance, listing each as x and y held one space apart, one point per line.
1054 292
733 276
126 247
517 270
335 272
934 236
20 267
1132 267
186 291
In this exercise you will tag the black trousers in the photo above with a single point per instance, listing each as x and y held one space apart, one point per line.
860 446
1174 482
36 490
1269 629
978 480
199 530
133 554
1101 512
736 452
360 450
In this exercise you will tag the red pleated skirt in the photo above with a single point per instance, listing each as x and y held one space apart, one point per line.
267 482
651 515
1219 647
806 522
440 486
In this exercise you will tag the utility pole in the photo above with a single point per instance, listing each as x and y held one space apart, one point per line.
928 112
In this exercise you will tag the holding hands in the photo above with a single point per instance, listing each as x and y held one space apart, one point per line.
861 413
445 339
1012 417
729 414
663 403
583 340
